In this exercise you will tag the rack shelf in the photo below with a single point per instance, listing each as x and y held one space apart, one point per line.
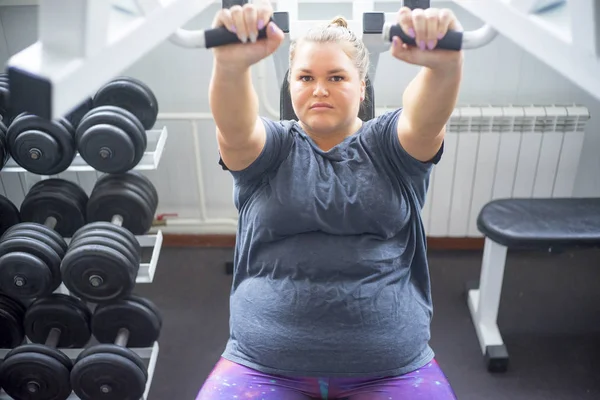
156 145
565 37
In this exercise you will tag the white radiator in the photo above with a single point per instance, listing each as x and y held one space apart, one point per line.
498 152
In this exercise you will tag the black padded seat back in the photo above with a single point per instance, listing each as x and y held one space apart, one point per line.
286 111
542 223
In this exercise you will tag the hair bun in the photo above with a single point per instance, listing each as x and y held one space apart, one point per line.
339 21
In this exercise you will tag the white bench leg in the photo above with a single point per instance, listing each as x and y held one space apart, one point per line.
484 303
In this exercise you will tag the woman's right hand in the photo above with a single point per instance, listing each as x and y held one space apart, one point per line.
246 21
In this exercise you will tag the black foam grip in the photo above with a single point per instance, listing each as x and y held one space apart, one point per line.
231 3
451 41
414 4
221 36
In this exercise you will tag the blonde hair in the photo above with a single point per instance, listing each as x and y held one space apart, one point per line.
337 32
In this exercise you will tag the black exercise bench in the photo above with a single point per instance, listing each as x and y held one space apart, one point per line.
531 224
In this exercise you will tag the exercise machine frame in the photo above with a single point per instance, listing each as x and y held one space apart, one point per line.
82 44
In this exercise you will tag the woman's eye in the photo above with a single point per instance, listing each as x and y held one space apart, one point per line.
338 78
305 78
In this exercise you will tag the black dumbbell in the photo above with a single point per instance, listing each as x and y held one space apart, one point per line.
39 370
12 313
64 200
130 195
5 99
132 95
4 153
112 136
9 214
111 370
104 257
31 252
41 146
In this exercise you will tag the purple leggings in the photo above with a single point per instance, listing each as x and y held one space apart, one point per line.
229 380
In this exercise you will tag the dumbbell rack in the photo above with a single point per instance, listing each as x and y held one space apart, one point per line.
157 139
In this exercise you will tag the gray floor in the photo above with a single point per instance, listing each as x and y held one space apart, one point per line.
549 318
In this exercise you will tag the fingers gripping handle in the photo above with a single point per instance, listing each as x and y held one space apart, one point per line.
221 36
453 40
214 37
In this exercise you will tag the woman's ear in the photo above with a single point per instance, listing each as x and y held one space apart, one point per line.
363 90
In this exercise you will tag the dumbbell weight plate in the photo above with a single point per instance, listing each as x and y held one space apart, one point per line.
126 183
142 322
5 99
128 238
145 183
96 374
23 275
131 94
97 273
30 368
4 155
119 200
14 308
149 111
129 122
67 187
37 236
66 313
138 180
43 229
110 139
125 246
116 350
38 207
14 305
41 146
93 240
107 239
37 249
107 148
45 350
151 306
12 332
58 203
9 214
40 237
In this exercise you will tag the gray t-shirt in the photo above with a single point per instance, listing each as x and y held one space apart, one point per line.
330 269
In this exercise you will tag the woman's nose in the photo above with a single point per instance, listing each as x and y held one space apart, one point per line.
320 90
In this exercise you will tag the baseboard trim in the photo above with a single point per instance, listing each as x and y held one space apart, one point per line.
455 243
201 240
197 240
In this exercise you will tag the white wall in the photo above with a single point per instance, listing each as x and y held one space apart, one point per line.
498 74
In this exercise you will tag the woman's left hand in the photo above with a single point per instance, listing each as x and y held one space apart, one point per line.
426 27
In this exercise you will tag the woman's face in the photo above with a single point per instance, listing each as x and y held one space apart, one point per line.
325 88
